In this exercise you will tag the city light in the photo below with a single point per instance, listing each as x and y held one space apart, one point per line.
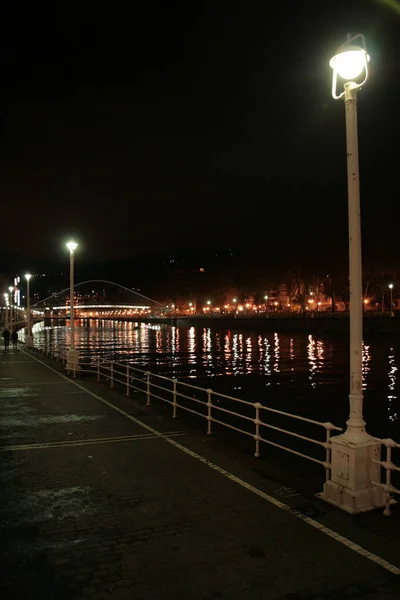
390 286
209 302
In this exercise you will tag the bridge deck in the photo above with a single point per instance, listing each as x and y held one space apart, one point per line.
102 498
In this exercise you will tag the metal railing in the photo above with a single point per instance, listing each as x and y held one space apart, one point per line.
389 466
251 419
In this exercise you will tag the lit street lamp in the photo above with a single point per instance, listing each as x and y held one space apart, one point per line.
353 452
391 299
11 289
72 356
6 324
29 338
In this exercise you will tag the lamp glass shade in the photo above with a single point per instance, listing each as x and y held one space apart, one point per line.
72 246
349 62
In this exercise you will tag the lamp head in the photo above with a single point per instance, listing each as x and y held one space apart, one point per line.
10 288
390 286
72 246
349 61
28 276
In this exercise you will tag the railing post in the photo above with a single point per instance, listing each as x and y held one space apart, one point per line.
148 387
209 415
98 368
174 404
328 451
127 380
257 421
112 374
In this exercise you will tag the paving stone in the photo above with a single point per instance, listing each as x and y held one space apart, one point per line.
159 525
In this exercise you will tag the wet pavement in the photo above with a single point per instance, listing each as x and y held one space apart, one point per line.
95 503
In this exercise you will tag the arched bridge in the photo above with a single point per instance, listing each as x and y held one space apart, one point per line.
99 298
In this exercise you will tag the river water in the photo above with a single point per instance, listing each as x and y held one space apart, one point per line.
301 373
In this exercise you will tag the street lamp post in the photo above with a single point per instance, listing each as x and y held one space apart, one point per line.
72 355
353 453
6 324
391 299
11 289
29 337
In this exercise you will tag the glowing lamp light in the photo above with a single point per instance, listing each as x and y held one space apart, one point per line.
72 246
234 300
209 302
265 297
349 61
11 288
390 286
28 276
275 304
365 301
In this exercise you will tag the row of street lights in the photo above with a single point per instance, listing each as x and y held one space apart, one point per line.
72 355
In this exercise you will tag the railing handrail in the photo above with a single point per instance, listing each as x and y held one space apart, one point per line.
110 369
389 466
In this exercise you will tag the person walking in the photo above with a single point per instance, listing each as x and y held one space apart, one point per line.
6 336
14 339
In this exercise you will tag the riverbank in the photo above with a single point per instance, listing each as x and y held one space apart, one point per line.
318 324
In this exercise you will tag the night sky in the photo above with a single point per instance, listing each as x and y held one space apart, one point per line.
194 126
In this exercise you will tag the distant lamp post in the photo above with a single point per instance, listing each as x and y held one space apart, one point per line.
6 323
353 452
72 355
391 299
29 337
11 289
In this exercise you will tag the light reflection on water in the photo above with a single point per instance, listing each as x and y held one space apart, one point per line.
300 373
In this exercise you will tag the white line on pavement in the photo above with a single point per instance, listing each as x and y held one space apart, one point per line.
251 488
67 443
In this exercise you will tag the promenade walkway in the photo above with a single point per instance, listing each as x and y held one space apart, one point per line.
103 498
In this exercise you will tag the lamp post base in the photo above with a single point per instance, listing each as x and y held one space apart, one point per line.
353 470
72 360
29 341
